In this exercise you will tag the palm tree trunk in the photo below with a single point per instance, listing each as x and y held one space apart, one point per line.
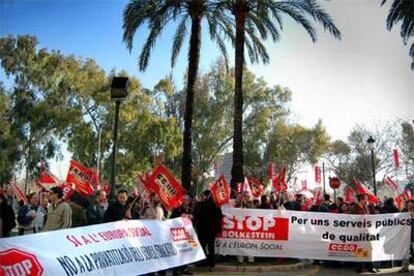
193 62
237 170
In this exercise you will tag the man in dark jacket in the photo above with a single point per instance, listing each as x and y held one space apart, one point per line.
406 261
96 210
119 209
207 218
7 216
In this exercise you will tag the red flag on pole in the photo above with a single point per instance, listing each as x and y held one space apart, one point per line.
255 186
317 199
169 190
220 191
396 159
81 177
317 174
279 182
361 189
271 168
390 183
350 195
19 194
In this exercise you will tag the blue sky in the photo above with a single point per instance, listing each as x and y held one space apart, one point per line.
363 79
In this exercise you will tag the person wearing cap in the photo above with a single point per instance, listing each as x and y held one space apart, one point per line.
59 214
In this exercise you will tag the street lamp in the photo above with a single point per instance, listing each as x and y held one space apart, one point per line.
371 145
119 91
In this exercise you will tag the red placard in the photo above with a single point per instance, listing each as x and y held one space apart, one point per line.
169 190
220 191
334 182
255 186
81 177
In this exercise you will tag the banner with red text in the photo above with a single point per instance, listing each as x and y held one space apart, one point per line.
317 236
131 247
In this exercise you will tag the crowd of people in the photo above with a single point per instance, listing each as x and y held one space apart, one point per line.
48 211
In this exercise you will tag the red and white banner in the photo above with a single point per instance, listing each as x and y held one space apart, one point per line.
81 177
131 247
169 190
317 174
220 191
396 159
312 235
361 189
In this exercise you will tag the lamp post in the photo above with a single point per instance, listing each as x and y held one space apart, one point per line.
119 91
371 145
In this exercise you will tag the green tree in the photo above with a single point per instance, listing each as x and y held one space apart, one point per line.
41 106
263 18
402 10
158 14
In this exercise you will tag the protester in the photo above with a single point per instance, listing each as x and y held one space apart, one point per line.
59 215
27 215
406 260
207 221
7 216
326 205
78 213
389 207
96 210
265 202
119 209
154 209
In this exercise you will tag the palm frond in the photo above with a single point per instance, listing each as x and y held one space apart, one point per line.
178 39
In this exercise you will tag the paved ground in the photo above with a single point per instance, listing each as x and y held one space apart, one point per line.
313 270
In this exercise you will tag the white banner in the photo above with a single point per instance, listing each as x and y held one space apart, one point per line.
319 236
130 247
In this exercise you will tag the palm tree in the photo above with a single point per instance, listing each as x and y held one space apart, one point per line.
263 17
402 10
159 13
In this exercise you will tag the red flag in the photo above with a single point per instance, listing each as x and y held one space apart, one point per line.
220 191
396 159
47 178
19 194
317 174
169 190
350 195
271 168
399 201
279 182
317 199
81 177
361 189
255 186
304 185
246 187
394 186
307 204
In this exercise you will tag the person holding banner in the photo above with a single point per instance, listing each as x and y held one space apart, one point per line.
406 261
59 213
27 215
119 209
207 221
96 210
